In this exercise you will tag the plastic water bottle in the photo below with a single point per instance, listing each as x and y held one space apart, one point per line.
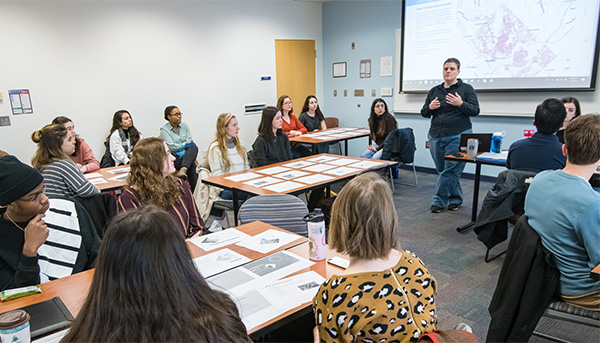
497 141
316 235
472 146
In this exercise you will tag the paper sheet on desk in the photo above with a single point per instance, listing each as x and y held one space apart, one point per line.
343 161
97 181
119 171
273 170
365 164
341 171
244 278
264 181
268 241
92 175
321 159
219 261
298 164
219 239
122 177
271 300
283 187
242 177
319 167
292 174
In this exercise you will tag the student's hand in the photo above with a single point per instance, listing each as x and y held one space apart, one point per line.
435 104
372 148
82 168
36 233
454 99
296 133
316 337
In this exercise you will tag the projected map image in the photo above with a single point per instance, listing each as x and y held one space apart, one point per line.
501 44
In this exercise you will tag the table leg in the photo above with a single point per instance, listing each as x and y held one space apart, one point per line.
475 200
236 206
346 147
314 149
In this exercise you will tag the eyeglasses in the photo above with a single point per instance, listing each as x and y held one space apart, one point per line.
35 196
176 114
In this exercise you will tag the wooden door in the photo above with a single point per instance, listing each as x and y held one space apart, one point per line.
295 68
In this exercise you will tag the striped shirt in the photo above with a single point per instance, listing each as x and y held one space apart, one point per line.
184 211
64 179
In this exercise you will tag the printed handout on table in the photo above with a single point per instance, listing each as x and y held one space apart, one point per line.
219 239
298 164
323 137
219 261
365 164
273 170
119 171
92 175
319 167
342 161
273 299
242 177
269 268
315 178
321 159
292 174
263 181
97 181
122 177
283 186
341 171
268 240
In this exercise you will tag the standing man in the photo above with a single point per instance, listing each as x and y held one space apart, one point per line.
450 105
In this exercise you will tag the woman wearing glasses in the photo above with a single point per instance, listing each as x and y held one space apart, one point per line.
178 137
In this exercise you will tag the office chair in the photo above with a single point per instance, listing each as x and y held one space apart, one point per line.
281 210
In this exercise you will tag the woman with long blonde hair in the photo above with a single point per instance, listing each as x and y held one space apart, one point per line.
62 177
151 181
226 154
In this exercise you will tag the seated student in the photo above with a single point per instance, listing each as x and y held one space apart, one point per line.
272 146
564 210
386 294
226 154
312 118
122 137
147 289
291 125
62 177
83 155
30 223
381 123
573 111
542 151
178 137
150 183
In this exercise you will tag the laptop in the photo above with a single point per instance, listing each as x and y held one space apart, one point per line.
485 141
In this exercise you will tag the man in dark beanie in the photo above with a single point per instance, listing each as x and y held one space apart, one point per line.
41 239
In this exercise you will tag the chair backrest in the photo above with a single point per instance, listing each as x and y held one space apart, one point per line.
400 146
332 122
251 159
282 210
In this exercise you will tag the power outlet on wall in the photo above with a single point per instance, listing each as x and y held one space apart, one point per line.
5 121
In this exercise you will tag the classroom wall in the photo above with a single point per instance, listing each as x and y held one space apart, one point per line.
87 59
372 25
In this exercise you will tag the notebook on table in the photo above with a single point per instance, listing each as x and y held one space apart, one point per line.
485 141
48 316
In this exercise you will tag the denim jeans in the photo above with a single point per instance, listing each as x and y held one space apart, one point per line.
372 154
447 188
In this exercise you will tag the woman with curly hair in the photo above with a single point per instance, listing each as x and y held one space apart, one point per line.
83 155
226 154
150 183
122 137
62 177
147 289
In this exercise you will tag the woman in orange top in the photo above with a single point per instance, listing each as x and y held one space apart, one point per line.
292 126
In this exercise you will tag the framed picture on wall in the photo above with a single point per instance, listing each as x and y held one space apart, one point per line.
339 69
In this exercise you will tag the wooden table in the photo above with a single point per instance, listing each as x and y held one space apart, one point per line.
350 132
462 157
236 187
73 289
107 174
595 273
